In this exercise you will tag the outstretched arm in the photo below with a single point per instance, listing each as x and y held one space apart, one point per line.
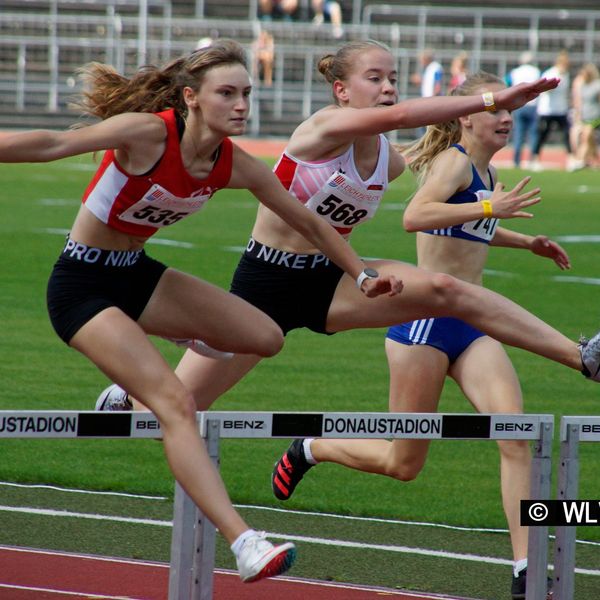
125 132
345 123
539 244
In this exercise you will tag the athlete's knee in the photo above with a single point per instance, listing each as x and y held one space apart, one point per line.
515 450
174 405
269 341
446 287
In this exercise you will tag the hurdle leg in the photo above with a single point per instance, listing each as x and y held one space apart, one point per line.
193 540
537 555
568 485
182 543
205 531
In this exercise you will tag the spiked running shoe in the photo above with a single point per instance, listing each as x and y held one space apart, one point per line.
519 586
289 470
113 398
259 558
590 357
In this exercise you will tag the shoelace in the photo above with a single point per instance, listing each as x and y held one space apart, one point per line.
255 540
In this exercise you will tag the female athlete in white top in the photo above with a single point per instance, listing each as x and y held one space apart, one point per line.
453 164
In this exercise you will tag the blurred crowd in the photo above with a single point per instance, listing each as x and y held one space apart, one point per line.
572 109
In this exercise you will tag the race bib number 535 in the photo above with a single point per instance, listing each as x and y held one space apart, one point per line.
159 208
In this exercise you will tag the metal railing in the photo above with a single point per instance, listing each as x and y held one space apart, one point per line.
40 52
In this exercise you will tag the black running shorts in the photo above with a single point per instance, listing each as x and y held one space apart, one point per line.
295 290
86 280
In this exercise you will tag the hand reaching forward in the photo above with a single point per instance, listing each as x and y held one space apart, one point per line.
384 284
516 96
508 205
542 246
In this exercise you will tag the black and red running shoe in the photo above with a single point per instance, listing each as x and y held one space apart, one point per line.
289 470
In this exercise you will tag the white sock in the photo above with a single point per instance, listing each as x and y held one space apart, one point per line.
519 566
310 459
239 542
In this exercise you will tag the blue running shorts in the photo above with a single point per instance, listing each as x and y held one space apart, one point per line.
450 336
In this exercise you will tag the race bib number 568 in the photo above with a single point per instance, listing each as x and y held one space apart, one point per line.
342 203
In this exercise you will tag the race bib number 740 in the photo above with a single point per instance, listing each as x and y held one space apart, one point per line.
483 228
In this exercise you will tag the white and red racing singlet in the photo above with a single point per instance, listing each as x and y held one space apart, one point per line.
140 204
333 189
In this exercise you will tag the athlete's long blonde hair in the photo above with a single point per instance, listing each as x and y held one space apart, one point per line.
152 89
441 136
339 66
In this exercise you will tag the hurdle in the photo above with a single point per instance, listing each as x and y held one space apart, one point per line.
194 537
573 430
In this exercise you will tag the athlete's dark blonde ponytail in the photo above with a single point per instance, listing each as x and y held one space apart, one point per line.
152 89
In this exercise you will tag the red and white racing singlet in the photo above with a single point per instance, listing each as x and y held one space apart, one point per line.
333 189
141 204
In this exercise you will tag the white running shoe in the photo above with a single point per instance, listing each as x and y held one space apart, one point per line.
259 558
201 348
113 398
590 357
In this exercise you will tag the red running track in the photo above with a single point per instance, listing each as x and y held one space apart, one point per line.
27 574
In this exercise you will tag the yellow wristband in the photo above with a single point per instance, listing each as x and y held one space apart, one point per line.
488 101
487 209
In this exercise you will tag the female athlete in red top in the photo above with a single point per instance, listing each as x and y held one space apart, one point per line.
105 294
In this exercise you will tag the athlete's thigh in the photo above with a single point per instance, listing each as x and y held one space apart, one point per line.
351 309
487 377
417 375
183 306
122 351
208 378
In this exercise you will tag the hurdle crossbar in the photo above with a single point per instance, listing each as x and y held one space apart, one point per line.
573 430
91 424
193 538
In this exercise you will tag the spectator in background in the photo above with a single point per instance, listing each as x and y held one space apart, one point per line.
429 79
283 8
328 10
525 118
431 75
575 121
458 70
553 109
263 55
589 107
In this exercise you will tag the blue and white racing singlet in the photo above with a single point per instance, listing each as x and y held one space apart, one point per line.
481 230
